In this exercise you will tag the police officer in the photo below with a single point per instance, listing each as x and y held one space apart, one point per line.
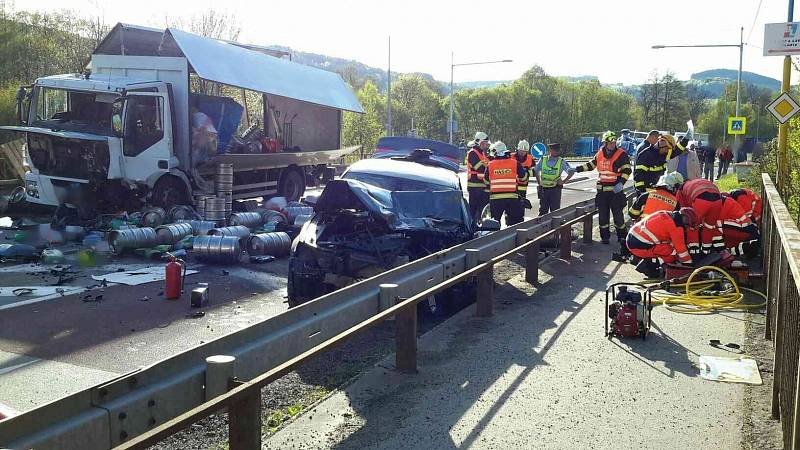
548 174
477 158
613 168
503 175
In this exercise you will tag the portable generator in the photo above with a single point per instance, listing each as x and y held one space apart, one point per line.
628 309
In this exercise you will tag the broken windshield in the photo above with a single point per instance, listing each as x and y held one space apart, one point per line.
60 109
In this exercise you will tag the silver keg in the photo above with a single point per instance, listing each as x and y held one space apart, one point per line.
120 240
217 249
275 244
170 234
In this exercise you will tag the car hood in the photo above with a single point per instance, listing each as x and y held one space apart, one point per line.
401 210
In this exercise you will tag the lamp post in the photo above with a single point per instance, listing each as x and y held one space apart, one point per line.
740 45
452 104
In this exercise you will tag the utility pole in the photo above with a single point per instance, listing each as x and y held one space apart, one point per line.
738 89
389 131
452 100
783 129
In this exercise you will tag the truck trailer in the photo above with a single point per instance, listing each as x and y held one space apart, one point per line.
132 130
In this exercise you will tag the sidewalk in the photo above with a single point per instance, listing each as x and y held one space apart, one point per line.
540 374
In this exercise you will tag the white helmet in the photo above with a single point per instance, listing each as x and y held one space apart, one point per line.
500 148
481 136
524 146
670 180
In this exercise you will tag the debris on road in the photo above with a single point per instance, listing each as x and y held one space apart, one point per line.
731 370
136 277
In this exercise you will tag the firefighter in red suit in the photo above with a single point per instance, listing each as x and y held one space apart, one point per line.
704 197
661 236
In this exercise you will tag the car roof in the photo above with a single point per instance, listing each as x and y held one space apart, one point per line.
406 169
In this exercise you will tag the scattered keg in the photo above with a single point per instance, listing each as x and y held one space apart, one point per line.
248 219
200 227
238 231
119 240
275 244
152 217
218 249
301 220
215 209
293 211
272 216
180 212
224 174
170 234
200 203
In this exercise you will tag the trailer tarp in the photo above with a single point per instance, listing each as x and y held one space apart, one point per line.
237 66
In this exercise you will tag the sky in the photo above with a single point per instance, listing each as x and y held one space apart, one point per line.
610 39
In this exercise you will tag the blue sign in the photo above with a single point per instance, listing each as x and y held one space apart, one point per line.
538 150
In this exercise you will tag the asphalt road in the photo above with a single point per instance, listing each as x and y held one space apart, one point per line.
52 348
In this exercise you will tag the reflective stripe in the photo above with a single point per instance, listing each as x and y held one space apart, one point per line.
644 168
638 183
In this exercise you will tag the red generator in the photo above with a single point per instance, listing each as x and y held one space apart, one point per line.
628 309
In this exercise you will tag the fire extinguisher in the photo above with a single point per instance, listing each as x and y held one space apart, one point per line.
175 275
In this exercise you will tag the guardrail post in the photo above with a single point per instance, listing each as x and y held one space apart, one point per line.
219 373
244 422
388 295
405 329
565 235
531 254
484 304
588 223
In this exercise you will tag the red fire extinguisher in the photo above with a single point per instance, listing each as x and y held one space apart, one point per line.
175 274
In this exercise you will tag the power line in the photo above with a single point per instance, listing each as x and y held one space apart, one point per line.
758 10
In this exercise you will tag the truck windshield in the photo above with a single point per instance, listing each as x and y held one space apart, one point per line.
60 109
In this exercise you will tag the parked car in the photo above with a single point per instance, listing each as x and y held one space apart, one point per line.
381 214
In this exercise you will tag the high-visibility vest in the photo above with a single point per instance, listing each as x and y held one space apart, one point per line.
471 170
659 200
503 175
605 167
549 175
527 164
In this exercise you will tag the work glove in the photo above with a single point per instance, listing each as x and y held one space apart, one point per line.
618 188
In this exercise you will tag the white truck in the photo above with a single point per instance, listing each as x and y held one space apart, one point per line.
122 136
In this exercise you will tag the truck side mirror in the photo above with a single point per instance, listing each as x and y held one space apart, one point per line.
117 107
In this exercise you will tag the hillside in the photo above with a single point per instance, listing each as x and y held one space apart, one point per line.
715 80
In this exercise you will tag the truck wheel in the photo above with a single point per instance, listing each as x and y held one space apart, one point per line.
292 185
169 191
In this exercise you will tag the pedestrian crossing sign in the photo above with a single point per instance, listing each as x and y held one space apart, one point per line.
737 125
783 108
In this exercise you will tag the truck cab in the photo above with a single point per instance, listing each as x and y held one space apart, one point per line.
89 137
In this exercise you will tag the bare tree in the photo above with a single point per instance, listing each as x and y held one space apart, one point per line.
211 24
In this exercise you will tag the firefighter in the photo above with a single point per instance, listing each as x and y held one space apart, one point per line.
661 236
548 174
749 201
704 197
523 156
477 157
613 168
502 176
736 227
651 159
662 198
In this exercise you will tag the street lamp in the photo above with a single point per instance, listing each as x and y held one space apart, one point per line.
453 65
740 45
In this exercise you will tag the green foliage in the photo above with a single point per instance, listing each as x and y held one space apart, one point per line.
728 182
752 101
365 129
768 163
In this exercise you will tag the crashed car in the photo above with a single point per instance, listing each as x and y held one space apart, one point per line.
381 214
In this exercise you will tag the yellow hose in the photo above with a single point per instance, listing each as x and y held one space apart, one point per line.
693 302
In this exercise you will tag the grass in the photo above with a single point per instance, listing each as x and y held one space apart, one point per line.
728 182
274 419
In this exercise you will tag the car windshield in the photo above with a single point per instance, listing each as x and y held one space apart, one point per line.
60 109
395 183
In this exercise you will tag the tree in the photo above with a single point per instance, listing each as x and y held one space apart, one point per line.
365 129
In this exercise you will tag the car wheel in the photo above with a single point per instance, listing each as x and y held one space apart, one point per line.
292 185
301 287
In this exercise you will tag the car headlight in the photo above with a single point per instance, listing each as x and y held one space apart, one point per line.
32 189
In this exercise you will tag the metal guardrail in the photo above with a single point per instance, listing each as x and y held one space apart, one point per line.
146 405
781 252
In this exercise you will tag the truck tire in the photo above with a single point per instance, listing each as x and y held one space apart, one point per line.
169 191
292 184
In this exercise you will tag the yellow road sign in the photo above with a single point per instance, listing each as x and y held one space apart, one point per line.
783 108
737 125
